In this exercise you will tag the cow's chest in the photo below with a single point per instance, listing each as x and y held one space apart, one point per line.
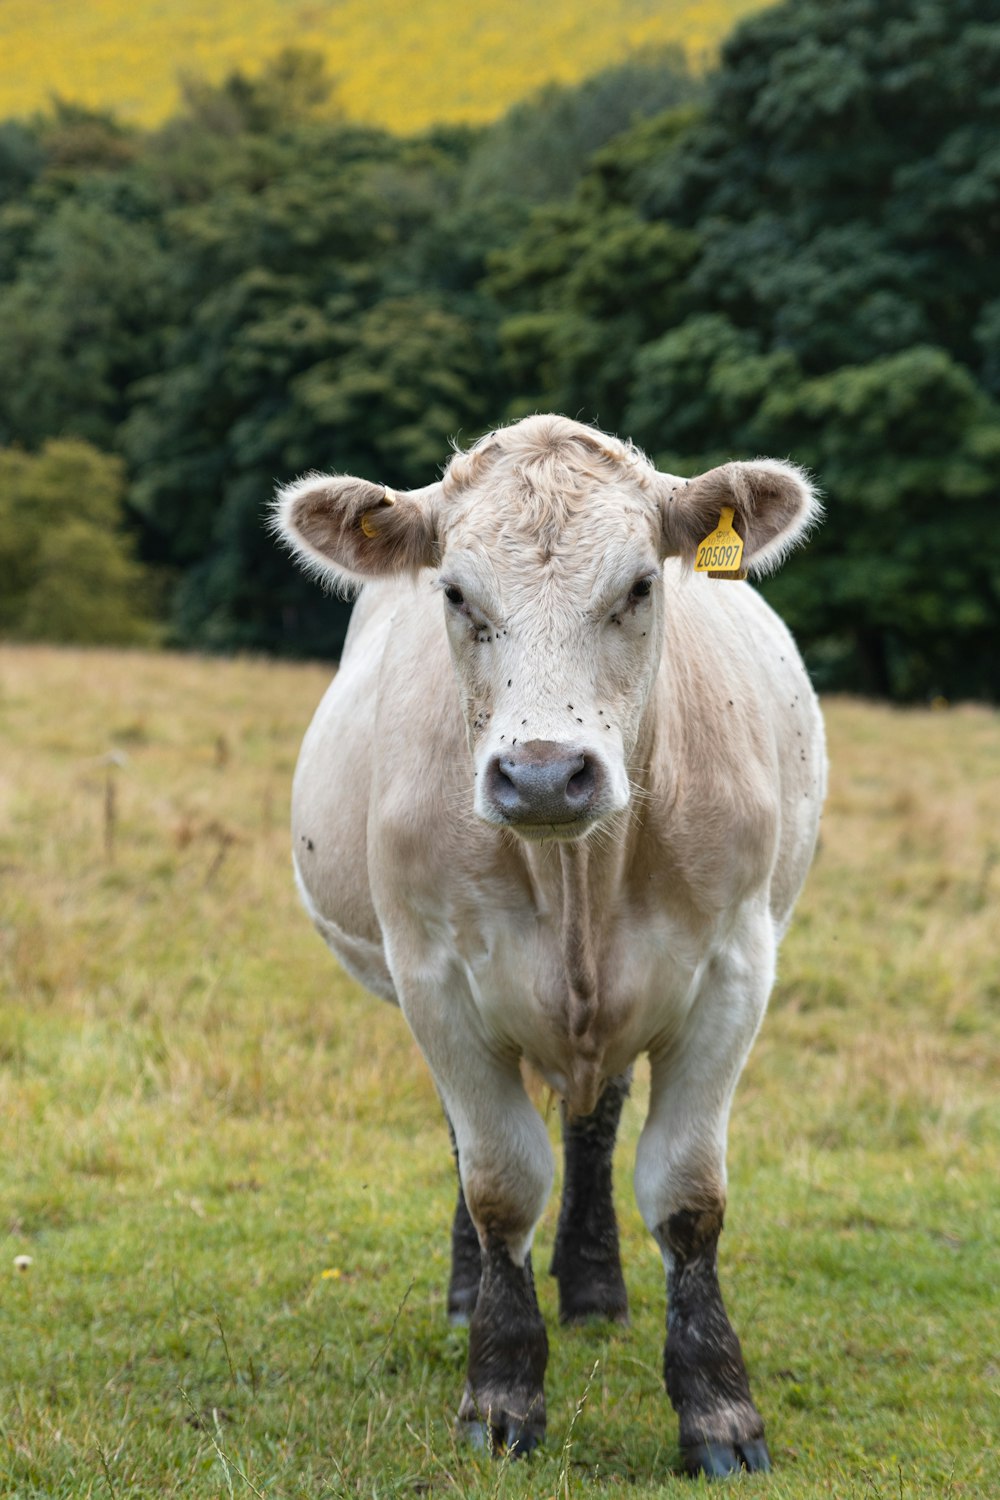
645 968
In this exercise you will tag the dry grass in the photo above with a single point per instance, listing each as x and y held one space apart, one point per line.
405 67
202 1116
889 975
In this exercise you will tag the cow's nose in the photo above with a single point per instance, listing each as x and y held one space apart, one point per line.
543 782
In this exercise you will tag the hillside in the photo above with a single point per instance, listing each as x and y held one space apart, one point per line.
405 68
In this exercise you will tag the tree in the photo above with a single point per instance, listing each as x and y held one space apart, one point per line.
314 337
538 151
67 571
899 592
83 317
582 294
292 88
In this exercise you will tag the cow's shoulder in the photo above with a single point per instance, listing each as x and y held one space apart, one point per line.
732 710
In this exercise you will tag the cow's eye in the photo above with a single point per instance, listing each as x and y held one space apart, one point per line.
641 588
454 595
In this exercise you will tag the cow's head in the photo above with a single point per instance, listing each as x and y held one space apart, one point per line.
547 540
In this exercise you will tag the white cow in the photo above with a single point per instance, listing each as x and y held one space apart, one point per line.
557 804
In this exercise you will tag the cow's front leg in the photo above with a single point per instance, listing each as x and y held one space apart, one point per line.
586 1261
721 1429
681 1191
506 1168
503 1406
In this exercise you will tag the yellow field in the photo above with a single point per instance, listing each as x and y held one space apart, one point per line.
401 66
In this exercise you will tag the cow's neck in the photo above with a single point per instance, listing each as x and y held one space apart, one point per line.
578 940
574 884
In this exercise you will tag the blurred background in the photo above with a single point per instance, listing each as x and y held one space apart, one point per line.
242 241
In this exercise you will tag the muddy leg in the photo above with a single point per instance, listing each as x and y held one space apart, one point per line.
504 1400
506 1167
680 1183
721 1430
586 1260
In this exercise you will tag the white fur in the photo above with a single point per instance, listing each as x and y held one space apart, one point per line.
704 720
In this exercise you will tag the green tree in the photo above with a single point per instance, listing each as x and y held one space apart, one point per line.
853 143
314 336
542 146
83 318
293 87
67 570
899 592
583 293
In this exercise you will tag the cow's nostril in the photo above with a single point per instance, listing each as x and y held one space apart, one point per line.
502 785
582 784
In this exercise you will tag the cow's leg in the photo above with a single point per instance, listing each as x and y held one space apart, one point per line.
503 1406
586 1261
466 1256
681 1191
506 1167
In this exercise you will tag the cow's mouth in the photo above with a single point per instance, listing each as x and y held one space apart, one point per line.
566 832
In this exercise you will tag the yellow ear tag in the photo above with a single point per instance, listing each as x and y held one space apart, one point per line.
388 498
721 553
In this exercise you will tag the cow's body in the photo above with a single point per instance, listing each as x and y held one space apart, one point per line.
644 918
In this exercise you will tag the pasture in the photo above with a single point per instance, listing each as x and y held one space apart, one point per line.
228 1168
403 67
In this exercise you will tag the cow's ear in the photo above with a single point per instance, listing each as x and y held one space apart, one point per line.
347 530
773 505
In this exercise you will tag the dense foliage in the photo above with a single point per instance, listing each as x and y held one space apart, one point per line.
67 568
805 263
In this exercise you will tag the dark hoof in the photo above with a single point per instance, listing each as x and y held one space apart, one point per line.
591 1298
508 1436
719 1459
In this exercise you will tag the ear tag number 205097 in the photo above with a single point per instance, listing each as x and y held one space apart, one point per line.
721 553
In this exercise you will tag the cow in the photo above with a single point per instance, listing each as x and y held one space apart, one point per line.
557 805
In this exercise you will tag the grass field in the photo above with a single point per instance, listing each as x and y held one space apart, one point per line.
404 67
228 1169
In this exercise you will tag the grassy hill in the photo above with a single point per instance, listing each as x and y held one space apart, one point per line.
229 1170
404 67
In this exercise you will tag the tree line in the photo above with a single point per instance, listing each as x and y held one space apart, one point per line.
798 256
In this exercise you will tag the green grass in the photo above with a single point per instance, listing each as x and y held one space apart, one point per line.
228 1168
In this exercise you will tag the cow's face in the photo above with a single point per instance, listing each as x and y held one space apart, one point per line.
552 594
546 542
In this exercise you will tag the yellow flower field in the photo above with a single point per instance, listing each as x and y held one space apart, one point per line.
404 67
